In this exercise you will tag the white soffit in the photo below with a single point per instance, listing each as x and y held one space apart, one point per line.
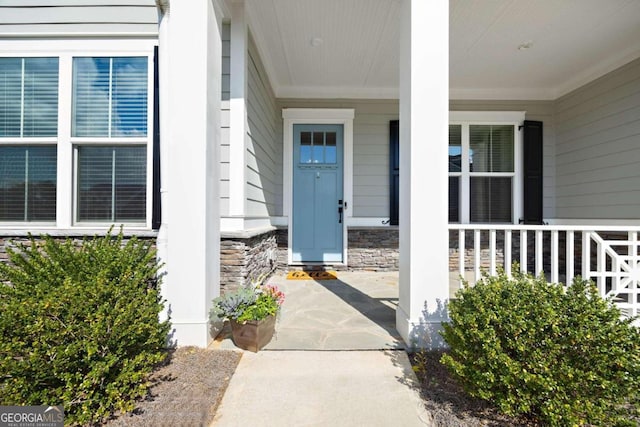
572 43
328 48
349 49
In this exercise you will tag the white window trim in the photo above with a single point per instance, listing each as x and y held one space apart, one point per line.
343 116
65 50
514 118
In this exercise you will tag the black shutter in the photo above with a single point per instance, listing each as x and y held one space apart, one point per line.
532 154
394 171
156 215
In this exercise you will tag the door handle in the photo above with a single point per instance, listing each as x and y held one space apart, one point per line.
340 215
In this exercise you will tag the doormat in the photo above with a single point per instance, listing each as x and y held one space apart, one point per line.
312 275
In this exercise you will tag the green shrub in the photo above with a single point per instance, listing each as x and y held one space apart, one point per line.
79 325
561 355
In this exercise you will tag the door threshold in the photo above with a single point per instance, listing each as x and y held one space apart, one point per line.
317 265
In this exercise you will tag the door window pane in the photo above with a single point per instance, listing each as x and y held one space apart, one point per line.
27 183
28 97
491 148
490 199
305 147
318 147
109 97
112 184
330 149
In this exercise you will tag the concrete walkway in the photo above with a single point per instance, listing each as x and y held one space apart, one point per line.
336 360
322 388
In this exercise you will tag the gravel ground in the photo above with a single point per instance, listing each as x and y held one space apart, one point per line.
186 391
450 406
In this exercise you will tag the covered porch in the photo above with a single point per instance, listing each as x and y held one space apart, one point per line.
267 66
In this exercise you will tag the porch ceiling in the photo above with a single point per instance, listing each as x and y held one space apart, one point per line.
348 49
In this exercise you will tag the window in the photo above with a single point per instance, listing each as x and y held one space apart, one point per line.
109 97
484 168
28 97
110 102
28 118
112 184
27 183
483 172
76 135
318 147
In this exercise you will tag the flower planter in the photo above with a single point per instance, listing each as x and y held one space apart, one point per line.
253 335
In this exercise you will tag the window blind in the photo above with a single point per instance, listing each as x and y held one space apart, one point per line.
28 97
109 97
490 199
27 183
491 148
112 184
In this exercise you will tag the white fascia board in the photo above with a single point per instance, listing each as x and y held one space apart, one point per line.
501 94
318 115
487 116
81 35
89 47
322 92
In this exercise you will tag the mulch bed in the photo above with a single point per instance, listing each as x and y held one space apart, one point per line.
186 391
449 405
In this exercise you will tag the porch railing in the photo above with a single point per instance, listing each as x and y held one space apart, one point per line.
608 255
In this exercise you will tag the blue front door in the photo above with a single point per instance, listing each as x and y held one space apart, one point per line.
318 219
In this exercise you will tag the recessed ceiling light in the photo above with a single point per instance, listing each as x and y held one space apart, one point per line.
525 46
316 41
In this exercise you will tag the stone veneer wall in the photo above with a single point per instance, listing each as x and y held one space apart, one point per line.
369 249
243 259
13 242
373 249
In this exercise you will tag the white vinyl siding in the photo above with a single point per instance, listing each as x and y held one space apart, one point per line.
370 150
264 144
225 118
598 149
226 61
535 110
78 17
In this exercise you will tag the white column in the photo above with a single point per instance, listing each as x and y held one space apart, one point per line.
424 97
189 240
238 111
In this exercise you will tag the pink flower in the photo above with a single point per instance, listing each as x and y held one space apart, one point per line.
275 293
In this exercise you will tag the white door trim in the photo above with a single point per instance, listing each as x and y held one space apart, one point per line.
292 116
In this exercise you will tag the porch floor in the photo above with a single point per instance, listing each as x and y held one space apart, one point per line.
317 386
355 312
